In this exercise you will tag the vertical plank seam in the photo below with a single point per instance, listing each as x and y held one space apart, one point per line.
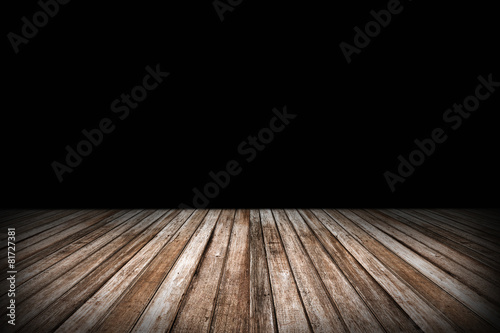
291 271
422 297
346 277
173 264
275 320
332 301
198 264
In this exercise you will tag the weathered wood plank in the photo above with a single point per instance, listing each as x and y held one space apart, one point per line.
485 214
33 305
232 310
54 258
45 239
53 266
196 311
126 311
290 313
461 292
487 247
466 261
463 216
426 316
262 318
42 252
323 315
12 218
460 244
162 309
437 288
37 224
33 280
381 304
20 266
75 299
480 236
355 313
256 270
43 221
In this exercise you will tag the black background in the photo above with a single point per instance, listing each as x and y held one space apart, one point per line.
225 78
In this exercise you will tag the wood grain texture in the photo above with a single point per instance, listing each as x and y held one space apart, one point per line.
125 313
257 270
101 279
463 245
322 312
381 304
197 309
160 313
355 313
290 313
262 317
414 270
425 315
232 311
452 254
53 288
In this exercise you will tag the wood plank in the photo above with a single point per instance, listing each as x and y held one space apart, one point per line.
486 247
454 241
458 314
30 246
8 215
32 286
44 250
257 270
22 222
196 311
43 227
55 259
29 223
450 267
262 318
463 216
5 213
232 310
20 267
480 236
35 303
290 313
471 264
426 316
100 278
41 265
41 220
323 314
478 218
126 311
24 241
492 215
381 304
162 309
11 218
355 313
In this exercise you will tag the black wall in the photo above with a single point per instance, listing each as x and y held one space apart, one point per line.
352 120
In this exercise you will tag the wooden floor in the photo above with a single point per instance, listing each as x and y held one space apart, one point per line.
254 270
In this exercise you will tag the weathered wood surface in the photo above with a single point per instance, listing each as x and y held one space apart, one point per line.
258 270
